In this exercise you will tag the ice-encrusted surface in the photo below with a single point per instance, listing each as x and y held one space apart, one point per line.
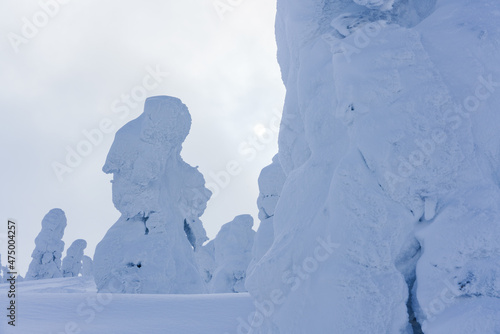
391 150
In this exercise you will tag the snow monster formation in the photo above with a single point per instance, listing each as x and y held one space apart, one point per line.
232 252
48 250
87 267
72 262
271 181
389 217
150 249
3 271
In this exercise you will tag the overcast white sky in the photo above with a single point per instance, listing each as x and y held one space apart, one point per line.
88 57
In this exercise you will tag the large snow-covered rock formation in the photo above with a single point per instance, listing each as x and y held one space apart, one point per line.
150 249
389 217
49 246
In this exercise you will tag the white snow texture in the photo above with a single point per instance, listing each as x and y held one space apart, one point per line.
72 262
379 214
87 266
48 250
150 249
3 271
271 182
390 146
233 252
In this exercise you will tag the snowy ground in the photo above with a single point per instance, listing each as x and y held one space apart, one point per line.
71 305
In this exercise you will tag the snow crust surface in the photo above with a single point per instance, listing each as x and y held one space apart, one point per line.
71 305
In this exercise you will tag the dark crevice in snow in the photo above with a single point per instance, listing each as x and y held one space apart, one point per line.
146 229
189 234
267 215
364 160
415 325
466 282
131 265
406 263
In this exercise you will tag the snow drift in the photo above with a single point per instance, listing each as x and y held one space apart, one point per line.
71 305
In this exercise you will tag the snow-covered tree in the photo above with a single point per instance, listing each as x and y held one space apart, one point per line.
205 258
72 262
233 252
151 248
389 218
271 182
48 250
2 270
192 204
87 266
